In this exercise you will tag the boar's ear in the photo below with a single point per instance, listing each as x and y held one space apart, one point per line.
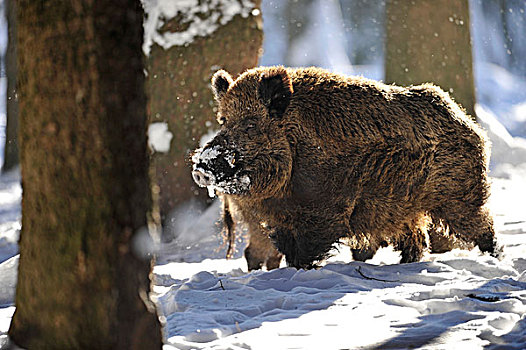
275 90
220 83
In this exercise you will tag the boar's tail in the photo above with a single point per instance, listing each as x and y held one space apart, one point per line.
229 229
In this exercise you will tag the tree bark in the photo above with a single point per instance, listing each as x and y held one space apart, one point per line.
179 95
85 184
11 158
429 41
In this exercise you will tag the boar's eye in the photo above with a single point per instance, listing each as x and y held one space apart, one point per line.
251 130
221 120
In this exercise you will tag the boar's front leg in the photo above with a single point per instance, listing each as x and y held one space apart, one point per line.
260 250
301 250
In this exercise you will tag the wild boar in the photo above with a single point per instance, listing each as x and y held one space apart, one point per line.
307 158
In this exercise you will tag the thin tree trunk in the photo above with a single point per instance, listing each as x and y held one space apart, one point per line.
429 41
85 178
11 158
180 96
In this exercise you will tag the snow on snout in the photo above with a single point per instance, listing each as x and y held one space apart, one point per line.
209 155
206 155
205 161
199 157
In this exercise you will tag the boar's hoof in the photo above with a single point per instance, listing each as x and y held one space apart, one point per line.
363 254
254 262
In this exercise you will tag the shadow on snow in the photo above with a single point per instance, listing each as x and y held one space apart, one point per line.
209 306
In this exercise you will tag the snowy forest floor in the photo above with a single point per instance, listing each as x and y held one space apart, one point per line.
461 299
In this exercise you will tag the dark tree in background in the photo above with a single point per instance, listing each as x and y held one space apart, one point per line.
11 158
429 41
179 95
85 181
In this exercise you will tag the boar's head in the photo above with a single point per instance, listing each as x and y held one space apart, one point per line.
251 154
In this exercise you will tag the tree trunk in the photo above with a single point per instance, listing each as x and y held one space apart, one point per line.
11 158
84 168
364 27
180 96
429 41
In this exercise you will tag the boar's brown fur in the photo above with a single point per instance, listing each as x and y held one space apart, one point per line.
315 157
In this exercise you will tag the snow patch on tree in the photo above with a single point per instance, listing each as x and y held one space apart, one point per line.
194 19
159 137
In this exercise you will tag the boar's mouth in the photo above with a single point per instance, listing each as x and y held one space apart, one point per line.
219 169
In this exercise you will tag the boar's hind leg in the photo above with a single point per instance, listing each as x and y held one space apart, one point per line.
471 224
411 244
439 238
260 251
442 240
459 188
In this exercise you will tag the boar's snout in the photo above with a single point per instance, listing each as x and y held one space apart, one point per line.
219 166
214 163
201 178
